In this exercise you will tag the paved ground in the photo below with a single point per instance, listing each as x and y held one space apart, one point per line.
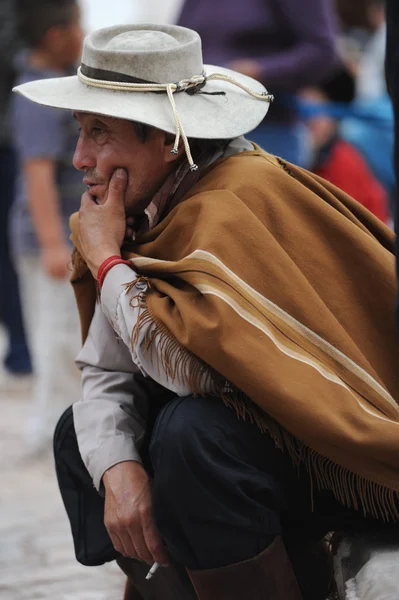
36 554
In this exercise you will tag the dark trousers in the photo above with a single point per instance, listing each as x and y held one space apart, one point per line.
17 358
221 490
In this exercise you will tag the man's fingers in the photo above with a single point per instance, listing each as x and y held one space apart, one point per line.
118 532
130 541
87 200
129 228
121 545
140 546
154 543
117 186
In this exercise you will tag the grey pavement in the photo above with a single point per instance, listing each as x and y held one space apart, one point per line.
36 553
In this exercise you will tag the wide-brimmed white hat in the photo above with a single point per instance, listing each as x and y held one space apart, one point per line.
154 74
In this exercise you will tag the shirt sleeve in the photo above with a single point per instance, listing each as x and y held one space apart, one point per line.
312 54
110 420
123 312
38 130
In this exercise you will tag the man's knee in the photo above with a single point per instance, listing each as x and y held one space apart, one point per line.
195 438
182 429
202 429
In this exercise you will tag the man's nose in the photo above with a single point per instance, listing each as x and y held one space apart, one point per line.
83 158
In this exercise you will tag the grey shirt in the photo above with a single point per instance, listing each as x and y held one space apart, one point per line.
110 420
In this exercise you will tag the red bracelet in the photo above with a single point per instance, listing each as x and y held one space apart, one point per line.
104 264
107 265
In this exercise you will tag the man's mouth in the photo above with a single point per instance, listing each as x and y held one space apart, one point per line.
88 181
93 188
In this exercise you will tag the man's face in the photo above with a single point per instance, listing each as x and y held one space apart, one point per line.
106 143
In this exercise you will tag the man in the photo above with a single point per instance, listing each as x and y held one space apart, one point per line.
226 278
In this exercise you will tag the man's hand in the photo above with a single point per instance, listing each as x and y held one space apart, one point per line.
129 229
55 260
102 227
128 515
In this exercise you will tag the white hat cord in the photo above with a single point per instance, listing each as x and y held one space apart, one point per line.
193 85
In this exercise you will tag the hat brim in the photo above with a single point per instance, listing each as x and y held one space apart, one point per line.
203 116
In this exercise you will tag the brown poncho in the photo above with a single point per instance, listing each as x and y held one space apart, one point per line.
283 287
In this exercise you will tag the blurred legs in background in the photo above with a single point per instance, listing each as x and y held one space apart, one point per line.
53 329
17 360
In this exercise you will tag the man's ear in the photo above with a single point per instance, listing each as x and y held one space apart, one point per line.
169 142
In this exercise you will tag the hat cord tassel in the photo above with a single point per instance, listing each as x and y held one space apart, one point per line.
180 130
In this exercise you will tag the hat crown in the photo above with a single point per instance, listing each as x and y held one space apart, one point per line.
159 54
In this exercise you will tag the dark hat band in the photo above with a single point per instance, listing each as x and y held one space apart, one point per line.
105 75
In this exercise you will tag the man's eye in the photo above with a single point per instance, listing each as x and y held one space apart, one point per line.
97 131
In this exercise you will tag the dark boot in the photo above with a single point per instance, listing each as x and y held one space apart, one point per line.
312 564
268 576
171 583
131 592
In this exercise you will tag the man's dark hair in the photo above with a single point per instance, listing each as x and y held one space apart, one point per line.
197 145
37 17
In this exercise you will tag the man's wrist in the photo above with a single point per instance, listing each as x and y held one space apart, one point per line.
116 474
108 264
101 256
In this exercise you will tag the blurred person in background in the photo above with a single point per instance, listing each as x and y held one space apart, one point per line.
354 25
372 131
284 44
48 191
335 159
17 359
370 80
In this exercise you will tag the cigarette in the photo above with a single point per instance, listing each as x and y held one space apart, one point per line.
153 569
